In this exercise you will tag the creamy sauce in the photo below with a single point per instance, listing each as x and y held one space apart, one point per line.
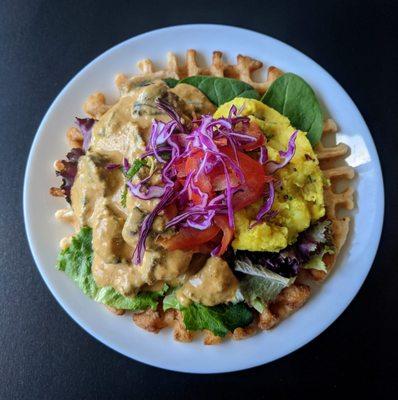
194 99
122 132
213 284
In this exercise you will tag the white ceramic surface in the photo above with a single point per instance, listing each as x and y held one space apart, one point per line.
119 333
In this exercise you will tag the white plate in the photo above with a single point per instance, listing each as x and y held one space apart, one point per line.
119 333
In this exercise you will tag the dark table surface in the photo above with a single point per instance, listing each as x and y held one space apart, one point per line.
43 44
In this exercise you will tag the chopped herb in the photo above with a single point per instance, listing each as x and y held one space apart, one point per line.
123 198
137 165
166 156
288 197
133 170
311 179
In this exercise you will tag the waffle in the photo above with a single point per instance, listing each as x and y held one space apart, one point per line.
334 200
294 296
242 70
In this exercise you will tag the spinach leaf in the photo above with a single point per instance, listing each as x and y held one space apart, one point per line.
171 82
221 90
76 262
293 97
219 319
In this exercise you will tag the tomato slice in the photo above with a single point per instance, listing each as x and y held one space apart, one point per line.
255 179
218 181
254 130
228 233
192 164
190 238
170 211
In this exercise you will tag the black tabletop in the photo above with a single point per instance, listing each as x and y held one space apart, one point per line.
44 354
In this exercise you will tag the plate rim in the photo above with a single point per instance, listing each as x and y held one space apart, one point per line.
34 251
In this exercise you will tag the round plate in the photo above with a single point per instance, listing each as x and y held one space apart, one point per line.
119 333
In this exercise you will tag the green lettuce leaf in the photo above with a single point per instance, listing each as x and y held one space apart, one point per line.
219 319
293 97
258 305
76 262
221 90
170 301
316 262
259 285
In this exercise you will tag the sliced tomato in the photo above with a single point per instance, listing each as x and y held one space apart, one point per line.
170 211
255 179
221 141
192 164
190 238
255 130
193 161
228 233
205 248
180 167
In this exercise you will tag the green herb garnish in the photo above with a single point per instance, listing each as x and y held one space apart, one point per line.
311 179
133 170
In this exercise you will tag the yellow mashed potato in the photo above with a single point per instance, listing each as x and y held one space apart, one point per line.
298 200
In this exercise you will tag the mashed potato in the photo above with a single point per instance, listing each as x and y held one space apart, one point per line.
298 199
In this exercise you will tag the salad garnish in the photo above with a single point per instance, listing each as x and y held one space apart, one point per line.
206 175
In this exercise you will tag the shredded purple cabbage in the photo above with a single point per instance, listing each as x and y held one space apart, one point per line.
272 166
263 155
266 208
152 192
139 251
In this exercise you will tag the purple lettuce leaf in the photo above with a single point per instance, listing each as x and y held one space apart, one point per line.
289 261
69 171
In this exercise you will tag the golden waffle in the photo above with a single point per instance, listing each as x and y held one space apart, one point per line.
242 70
333 199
